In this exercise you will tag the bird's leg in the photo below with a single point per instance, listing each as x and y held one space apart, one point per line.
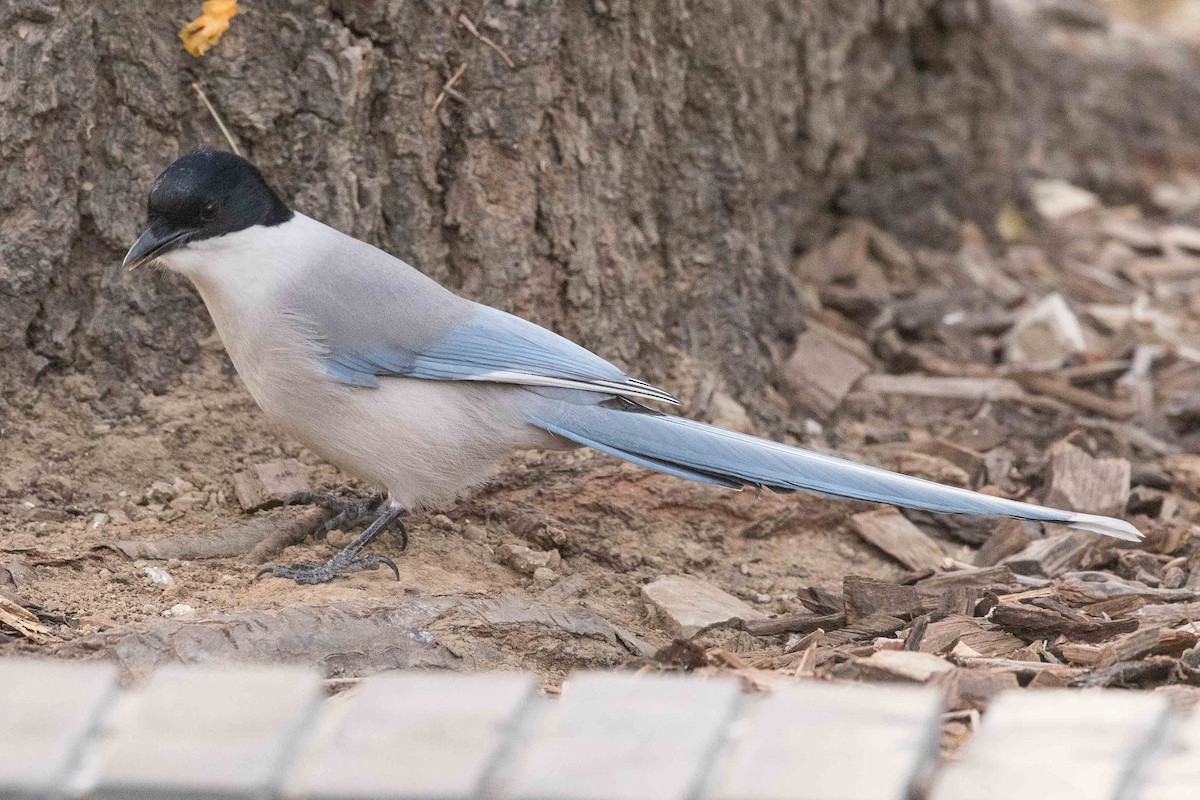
346 511
349 558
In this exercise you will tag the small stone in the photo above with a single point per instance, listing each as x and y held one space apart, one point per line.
475 533
1058 200
101 428
442 522
689 605
544 576
158 575
725 412
105 574
179 610
526 560
159 493
762 598
227 579
1045 335
846 551
99 521
190 501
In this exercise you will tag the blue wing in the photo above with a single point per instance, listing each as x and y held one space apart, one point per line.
494 346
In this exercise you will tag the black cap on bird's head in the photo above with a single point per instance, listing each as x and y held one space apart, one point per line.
204 194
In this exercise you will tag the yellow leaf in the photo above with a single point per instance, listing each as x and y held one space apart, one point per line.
205 30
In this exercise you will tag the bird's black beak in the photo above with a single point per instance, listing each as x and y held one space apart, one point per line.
155 241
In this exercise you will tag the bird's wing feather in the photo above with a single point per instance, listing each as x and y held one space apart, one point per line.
374 316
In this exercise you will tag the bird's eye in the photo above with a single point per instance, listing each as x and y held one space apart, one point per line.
209 212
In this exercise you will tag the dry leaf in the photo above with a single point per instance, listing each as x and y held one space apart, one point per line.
205 31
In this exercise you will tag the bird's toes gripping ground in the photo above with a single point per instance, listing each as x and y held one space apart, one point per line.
347 511
309 572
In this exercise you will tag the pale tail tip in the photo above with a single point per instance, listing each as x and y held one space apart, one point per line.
1105 526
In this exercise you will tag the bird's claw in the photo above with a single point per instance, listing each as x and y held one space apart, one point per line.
310 573
346 511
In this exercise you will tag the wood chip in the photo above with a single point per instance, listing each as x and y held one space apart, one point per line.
1031 622
892 533
1009 537
903 665
820 374
999 577
23 622
269 484
981 636
865 596
803 622
943 388
866 628
1054 387
1053 555
1079 482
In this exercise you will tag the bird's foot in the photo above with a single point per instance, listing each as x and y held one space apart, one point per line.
350 558
347 511
309 572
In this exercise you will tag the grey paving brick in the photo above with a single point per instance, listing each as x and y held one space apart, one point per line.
625 737
425 736
819 741
47 709
200 733
1058 745
1175 774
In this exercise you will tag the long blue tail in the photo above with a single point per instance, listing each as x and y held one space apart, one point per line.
700 452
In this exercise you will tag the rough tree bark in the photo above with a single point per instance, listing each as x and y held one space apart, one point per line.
643 180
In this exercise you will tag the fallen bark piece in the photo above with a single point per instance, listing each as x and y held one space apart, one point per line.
1185 469
864 596
892 533
981 636
866 628
943 388
1033 623
280 529
1009 538
269 484
1092 587
1149 670
1053 555
902 665
998 579
413 631
24 622
1051 386
805 622
689 605
1079 482
820 374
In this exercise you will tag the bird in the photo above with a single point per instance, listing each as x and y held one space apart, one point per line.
397 380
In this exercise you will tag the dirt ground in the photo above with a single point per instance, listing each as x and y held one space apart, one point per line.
76 484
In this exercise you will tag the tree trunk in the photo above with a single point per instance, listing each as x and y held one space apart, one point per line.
641 180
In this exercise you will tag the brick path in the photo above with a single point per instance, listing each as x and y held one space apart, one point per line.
67 730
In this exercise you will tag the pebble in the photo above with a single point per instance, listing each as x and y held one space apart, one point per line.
544 576
158 575
847 551
179 610
526 560
476 533
442 522
100 520
160 493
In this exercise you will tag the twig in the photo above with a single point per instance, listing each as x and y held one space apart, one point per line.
465 21
217 118
449 85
